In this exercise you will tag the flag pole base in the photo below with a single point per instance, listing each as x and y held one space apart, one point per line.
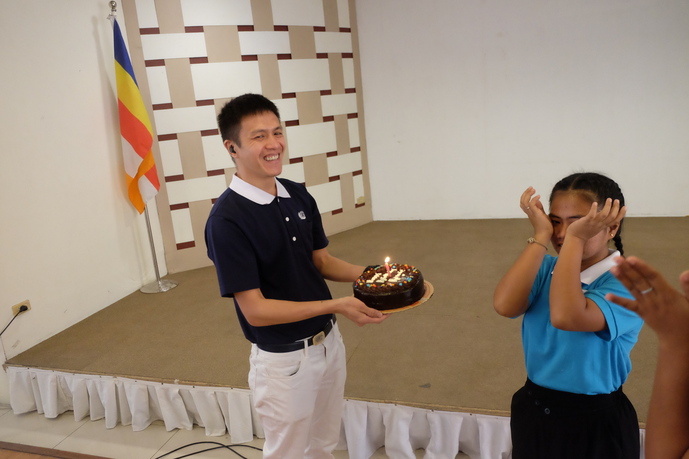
159 286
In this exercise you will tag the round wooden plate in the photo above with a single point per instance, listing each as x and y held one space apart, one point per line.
426 295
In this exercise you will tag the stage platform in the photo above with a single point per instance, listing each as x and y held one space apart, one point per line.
452 354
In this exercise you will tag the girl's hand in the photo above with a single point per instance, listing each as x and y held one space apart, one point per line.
533 208
594 222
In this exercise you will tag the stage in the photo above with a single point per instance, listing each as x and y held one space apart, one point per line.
439 376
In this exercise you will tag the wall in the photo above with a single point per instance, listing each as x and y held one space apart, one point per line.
70 241
192 56
470 102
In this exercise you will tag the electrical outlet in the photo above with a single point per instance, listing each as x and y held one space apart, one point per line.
16 307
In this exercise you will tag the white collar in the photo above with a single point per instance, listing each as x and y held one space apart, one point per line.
593 272
254 193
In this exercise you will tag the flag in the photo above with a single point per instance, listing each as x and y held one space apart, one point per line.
135 128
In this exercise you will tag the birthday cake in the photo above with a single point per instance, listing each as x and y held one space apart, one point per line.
382 288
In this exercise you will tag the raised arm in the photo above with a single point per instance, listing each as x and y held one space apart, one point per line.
512 292
666 311
569 308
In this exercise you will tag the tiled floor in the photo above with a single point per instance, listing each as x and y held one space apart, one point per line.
91 437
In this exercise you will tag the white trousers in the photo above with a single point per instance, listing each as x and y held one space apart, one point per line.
299 398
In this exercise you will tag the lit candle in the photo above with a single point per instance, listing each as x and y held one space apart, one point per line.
387 266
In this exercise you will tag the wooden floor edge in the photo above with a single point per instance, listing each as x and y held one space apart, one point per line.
45 452
148 379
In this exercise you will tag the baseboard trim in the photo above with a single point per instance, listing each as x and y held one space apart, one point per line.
45 452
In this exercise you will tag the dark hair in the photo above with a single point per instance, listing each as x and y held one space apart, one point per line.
597 188
231 115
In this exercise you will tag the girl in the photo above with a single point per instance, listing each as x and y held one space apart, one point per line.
576 342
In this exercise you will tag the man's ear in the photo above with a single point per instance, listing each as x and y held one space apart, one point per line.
229 145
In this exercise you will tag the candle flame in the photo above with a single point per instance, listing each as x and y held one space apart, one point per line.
387 259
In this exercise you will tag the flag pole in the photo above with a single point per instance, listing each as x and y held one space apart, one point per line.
159 285
113 10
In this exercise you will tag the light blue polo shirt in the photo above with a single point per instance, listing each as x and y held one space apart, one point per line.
580 362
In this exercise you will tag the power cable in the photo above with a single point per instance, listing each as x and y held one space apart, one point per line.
22 309
219 446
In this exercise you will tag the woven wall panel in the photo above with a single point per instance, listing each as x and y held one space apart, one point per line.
192 56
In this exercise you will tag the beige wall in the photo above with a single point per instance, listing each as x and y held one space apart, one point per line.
70 241
474 101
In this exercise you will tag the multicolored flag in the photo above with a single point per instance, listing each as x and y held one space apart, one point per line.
135 127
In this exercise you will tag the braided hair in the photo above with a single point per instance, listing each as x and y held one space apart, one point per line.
597 188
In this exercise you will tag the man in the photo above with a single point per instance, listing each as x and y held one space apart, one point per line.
267 242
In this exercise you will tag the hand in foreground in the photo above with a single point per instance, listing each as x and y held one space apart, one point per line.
664 309
533 208
596 221
356 311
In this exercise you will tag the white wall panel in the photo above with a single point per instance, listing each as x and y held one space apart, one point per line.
348 70
158 85
264 42
342 164
333 42
354 140
301 75
339 104
298 12
186 119
294 172
169 155
288 109
311 139
222 80
146 11
327 195
359 192
215 154
343 13
216 12
196 189
173 45
182 227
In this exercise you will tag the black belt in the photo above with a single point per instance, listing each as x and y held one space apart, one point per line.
318 338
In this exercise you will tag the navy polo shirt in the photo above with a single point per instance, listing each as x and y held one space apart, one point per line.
256 242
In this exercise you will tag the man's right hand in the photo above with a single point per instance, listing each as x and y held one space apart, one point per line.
356 311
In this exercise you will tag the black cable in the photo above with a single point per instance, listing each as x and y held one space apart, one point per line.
22 309
220 446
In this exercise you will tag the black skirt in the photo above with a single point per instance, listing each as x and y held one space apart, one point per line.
550 424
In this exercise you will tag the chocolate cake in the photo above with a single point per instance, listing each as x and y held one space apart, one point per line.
379 289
